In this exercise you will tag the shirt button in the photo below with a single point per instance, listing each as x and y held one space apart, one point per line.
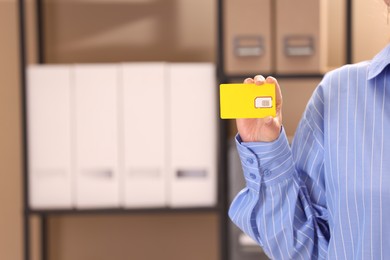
249 160
267 172
253 176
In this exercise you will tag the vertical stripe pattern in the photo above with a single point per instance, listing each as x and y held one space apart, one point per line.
325 196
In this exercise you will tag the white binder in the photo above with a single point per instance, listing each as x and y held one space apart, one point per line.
49 136
145 115
193 122
96 121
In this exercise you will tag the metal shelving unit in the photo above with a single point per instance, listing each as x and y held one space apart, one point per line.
225 78
44 214
223 185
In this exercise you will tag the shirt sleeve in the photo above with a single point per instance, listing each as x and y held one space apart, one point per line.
283 205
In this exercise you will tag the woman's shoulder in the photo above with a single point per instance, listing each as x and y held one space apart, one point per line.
342 77
346 70
346 73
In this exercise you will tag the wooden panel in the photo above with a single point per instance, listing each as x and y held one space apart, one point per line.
147 237
130 30
10 148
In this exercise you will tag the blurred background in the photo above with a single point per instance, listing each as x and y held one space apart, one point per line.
175 32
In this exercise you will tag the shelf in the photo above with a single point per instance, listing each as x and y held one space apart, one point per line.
119 18
122 211
277 76
225 77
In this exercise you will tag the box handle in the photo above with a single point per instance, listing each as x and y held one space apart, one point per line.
144 173
99 173
299 45
191 173
50 173
248 46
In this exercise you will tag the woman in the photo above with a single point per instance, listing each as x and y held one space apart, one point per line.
328 196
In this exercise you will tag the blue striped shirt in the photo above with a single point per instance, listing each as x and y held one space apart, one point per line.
326 197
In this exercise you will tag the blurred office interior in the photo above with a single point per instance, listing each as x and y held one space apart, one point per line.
170 33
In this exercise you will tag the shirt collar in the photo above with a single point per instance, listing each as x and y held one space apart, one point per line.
379 62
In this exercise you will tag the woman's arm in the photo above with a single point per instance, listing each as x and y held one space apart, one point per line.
283 205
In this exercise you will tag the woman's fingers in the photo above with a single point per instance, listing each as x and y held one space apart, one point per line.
278 92
272 80
249 81
259 80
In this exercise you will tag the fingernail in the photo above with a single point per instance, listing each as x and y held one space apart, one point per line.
259 78
270 79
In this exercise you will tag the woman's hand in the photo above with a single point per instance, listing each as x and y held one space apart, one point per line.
262 129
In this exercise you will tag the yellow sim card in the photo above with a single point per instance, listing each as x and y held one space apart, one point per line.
247 100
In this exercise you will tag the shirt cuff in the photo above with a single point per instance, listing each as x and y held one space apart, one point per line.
266 162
